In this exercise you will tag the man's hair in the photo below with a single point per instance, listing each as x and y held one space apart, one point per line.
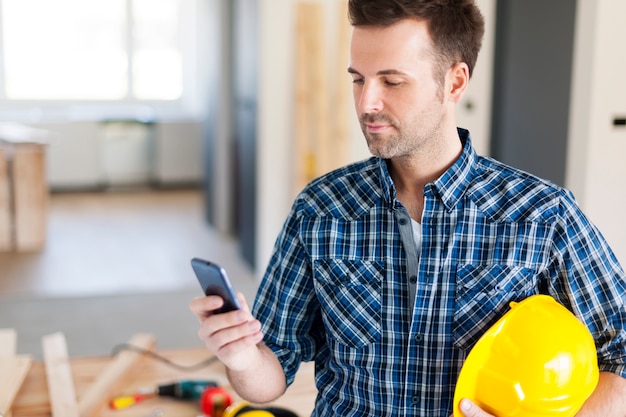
456 27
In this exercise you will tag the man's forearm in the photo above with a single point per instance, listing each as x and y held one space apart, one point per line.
608 399
264 382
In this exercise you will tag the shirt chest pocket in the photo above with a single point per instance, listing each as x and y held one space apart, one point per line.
483 295
349 292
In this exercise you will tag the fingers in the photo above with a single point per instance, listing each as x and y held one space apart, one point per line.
203 307
469 409
242 301
228 341
221 329
228 335
232 337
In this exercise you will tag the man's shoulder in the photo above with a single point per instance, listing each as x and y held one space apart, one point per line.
506 193
346 192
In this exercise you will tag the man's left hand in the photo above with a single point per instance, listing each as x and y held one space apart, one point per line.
469 409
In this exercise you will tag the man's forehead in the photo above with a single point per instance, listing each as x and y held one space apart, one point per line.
407 34
399 48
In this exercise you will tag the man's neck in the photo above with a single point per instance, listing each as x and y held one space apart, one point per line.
411 173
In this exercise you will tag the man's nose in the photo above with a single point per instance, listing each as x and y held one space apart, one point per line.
370 99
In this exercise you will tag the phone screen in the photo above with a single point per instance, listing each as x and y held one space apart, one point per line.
214 281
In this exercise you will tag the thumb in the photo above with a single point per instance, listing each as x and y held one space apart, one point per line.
243 302
469 409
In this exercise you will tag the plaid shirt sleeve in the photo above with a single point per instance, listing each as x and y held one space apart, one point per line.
285 283
590 281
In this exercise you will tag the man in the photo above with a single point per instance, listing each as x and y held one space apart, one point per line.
388 271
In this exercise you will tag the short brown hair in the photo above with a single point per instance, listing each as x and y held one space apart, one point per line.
455 26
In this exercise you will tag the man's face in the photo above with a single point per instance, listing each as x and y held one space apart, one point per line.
399 103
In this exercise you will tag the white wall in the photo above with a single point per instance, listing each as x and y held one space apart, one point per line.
474 110
273 146
596 171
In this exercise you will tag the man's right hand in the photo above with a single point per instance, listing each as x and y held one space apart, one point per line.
232 336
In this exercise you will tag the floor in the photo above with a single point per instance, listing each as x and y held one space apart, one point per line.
115 263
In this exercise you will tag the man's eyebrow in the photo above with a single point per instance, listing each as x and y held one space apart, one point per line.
391 72
381 72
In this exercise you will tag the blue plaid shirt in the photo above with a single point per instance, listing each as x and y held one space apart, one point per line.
340 289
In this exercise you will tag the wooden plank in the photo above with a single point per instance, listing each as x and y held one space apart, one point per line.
311 115
341 115
14 371
100 391
302 161
59 376
8 348
6 241
30 196
321 134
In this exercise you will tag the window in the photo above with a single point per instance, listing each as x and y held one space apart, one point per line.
101 50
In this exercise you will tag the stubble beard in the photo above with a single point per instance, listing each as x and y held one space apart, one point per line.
423 132
381 145
389 144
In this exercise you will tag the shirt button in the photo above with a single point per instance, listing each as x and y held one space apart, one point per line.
413 279
415 400
402 222
419 338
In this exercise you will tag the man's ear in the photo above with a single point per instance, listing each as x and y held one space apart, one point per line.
457 81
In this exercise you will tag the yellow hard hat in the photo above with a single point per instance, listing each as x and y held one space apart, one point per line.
244 409
538 360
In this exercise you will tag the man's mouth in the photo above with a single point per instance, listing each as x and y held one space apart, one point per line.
376 123
376 127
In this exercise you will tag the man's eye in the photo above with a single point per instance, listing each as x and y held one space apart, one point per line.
392 83
357 80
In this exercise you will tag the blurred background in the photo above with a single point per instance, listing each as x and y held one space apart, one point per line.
137 134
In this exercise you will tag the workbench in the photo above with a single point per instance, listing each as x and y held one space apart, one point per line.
33 399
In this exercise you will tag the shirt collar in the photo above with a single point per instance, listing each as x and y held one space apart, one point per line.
389 189
450 186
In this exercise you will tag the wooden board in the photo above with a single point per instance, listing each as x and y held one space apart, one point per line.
321 113
102 388
311 114
59 376
8 348
14 371
341 115
5 201
30 196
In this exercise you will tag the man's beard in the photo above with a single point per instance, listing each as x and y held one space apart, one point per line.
418 133
382 145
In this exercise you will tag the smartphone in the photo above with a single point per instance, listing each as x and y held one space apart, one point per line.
214 281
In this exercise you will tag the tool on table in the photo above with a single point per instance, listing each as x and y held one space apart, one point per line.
182 390
214 401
